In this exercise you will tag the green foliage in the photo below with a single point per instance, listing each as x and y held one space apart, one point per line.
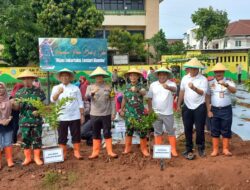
126 43
69 18
19 32
51 112
247 85
212 24
176 48
145 123
159 44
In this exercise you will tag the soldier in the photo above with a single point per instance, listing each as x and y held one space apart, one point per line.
193 90
219 109
133 107
29 121
161 101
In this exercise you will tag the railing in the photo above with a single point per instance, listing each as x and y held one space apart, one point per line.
124 12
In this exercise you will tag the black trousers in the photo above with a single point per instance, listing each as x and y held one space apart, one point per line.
74 127
15 120
195 117
101 122
239 78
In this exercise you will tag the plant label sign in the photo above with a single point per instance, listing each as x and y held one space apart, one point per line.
49 137
162 151
53 155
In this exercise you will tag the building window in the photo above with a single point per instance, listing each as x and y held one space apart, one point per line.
232 58
240 58
238 43
236 58
221 59
229 59
244 58
134 4
225 43
98 4
99 34
225 59
119 4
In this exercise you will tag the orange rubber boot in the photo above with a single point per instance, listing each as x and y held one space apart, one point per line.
225 142
215 147
158 140
27 154
172 142
96 148
8 154
109 148
64 148
128 145
77 151
37 159
144 148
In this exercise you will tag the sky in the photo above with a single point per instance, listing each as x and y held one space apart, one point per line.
175 15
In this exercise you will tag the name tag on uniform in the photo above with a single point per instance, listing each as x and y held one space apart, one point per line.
221 95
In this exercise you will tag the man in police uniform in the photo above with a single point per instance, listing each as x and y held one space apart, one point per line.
219 109
193 90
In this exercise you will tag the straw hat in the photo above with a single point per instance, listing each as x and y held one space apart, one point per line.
219 67
133 70
27 74
65 70
194 63
162 70
99 72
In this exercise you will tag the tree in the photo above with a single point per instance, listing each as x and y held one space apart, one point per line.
176 48
68 18
212 24
19 32
126 43
159 44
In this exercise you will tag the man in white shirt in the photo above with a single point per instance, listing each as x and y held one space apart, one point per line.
193 90
160 99
219 108
72 116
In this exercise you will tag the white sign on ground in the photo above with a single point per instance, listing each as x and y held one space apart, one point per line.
53 155
162 151
49 136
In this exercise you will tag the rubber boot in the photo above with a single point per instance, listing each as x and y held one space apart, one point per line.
109 148
8 154
225 142
158 140
144 148
172 142
77 151
215 147
64 148
96 148
27 154
128 145
37 159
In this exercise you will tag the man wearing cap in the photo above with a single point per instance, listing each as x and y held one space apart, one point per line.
220 111
102 111
30 122
193 90
160 100
133 107
72 116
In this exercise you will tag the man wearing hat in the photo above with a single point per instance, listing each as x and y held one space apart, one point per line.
219 108
133 107
30 122
160 100
102 111
72 116
193 90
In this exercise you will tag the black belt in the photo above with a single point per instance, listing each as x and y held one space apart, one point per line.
220 107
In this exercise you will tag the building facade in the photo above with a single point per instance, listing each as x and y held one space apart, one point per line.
135 16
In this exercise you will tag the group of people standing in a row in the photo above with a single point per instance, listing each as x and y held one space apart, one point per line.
198 98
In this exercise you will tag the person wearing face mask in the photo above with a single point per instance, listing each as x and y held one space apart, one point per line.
219 109
72 116
133 107
160 100
6 126
102 111
29 121
193 89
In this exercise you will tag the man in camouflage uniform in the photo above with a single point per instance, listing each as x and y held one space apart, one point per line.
133 107
30 122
